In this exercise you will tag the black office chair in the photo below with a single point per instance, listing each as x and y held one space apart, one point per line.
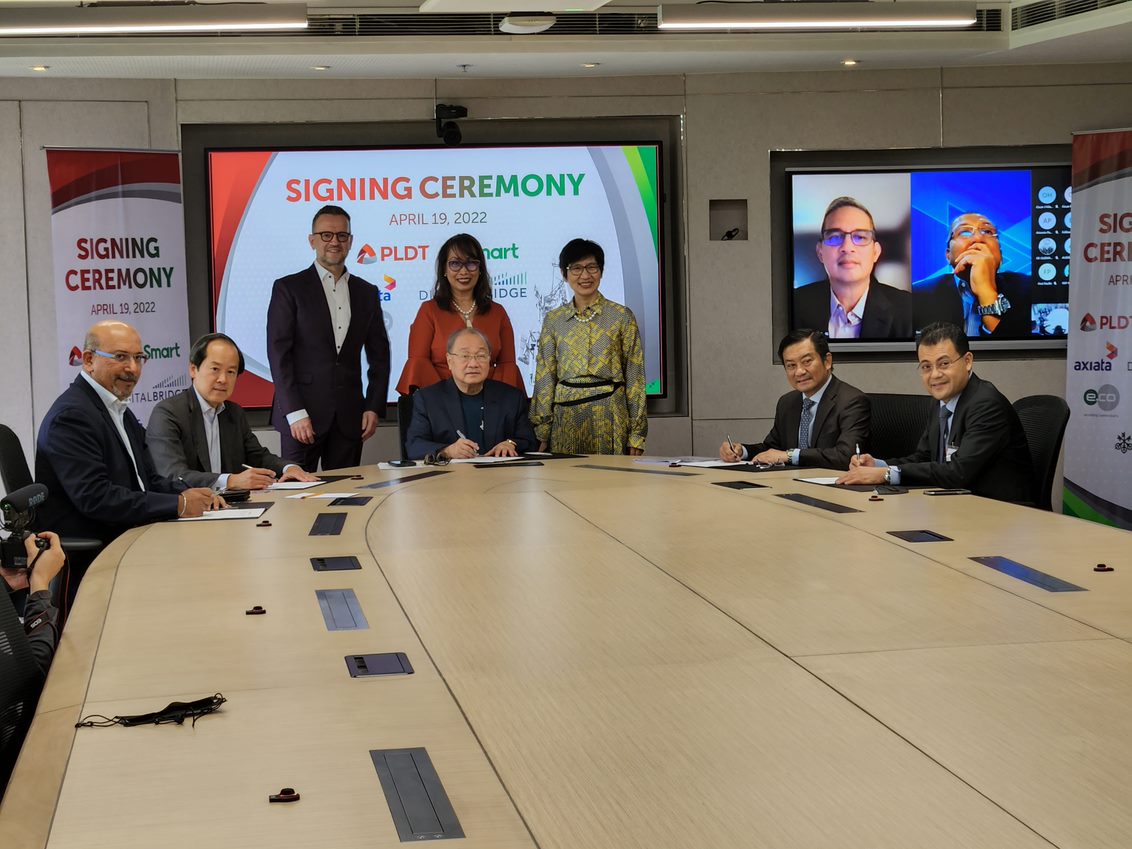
20 683
896 423
1044 418
14 471
404 417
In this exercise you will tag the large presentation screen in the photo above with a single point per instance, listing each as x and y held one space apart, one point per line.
522 203
926 221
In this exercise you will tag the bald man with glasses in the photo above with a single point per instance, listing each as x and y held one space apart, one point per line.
318 323
977 295
850 303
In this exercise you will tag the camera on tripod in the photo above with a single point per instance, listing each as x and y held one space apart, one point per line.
16 512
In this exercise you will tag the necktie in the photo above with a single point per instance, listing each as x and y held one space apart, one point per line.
944 416
807 420
213 442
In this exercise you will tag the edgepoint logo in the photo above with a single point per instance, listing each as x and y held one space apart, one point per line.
1088 323
366 256
1106 397
76 357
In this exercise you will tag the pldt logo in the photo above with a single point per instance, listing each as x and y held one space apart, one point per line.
367 255
76 357
1088 323
1106 398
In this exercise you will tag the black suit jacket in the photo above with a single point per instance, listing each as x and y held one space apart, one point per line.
992 457
888 310
841 423
180 447
938 299
307 372
93 488
437 415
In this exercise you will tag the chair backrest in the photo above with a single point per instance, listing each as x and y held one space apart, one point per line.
1043 418
20 683
404 417
896 423
14 471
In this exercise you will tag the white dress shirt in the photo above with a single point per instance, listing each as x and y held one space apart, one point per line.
337 293
846 325
211 415
117 411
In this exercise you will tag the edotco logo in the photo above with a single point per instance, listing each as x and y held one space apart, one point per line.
158 353
1106 398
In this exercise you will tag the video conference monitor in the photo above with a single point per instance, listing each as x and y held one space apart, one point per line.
522 203
979 237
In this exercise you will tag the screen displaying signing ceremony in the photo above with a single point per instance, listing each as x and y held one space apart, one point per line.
522 204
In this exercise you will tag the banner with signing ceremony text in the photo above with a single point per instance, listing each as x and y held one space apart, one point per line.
118 245
1098 441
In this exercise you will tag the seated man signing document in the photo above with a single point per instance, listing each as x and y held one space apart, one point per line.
821 423
467 414
203 438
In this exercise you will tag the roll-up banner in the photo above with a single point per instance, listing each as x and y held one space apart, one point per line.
118 244
1098 442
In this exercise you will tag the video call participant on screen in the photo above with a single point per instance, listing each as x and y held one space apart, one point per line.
976 295
318 322
203 438
461 297
91 452
973 441
821 423
590 395
468 414
851 303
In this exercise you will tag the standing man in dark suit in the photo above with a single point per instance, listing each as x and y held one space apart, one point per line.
467 414
975 441
318 322
851 303
91 452
822 423
203 438
977 296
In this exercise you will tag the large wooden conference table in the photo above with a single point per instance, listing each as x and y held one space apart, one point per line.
605 654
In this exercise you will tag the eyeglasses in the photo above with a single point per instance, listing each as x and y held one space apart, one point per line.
942 364
480 357
836 238
968 232
472 265
577 270
330 236
436 459
121 357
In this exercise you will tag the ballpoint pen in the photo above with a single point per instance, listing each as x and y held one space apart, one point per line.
460 433
731 444
857 451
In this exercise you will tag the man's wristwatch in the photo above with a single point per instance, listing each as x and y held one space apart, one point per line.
999 307
888 474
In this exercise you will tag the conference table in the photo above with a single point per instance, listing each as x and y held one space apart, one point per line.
603 653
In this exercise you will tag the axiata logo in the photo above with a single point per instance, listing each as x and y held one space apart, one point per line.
1088 323
1112 350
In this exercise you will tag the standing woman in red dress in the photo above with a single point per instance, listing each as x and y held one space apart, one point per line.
460 298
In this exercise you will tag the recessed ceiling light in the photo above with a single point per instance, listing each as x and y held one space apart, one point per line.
40 68
320 67
590 64
848 63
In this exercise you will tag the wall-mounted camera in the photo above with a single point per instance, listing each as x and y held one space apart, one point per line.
446 126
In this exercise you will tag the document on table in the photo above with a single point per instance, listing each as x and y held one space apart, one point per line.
323 495
821 481
484 461
710 464
228 513
294 485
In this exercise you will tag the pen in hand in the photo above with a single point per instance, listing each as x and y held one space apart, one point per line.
731 445
857 451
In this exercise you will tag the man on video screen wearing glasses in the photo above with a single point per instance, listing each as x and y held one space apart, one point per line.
851 303
318 322
976 295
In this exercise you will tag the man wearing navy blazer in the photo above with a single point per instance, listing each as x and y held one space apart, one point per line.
203 438
974 440
469 415
91 451
318 323
851 303
823 422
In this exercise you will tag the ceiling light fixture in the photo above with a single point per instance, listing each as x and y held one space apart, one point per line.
848 63
921 14
590 65
154 18
526 24
320 67
40 68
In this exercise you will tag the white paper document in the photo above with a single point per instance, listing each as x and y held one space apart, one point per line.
710 464
293 485
822 481
323 495
484 461
228 513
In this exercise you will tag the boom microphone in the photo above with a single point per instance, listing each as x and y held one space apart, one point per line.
23 500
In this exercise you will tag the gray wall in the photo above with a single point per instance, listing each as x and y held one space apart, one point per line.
731 122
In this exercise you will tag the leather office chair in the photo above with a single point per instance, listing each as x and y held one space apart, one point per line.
20 683
1044 418
14 471
896 423
404 417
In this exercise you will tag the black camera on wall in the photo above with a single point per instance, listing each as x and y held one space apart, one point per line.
446 126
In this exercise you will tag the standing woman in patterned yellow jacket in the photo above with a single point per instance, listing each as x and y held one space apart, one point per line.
590 373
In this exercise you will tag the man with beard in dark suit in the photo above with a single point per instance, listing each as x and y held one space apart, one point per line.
318 323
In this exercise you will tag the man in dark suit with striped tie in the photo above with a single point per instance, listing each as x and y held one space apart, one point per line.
973 440
821 423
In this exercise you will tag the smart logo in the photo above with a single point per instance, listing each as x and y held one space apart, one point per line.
1088 323
166 353
76 357
366 256
1106 398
